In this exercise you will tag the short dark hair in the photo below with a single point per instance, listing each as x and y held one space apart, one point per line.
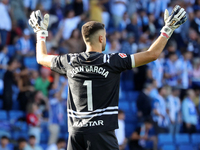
31 136
4 137
120 111
160 89
20 140
60 140
148 120
90 28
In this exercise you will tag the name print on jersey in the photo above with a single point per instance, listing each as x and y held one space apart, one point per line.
92 69
85 123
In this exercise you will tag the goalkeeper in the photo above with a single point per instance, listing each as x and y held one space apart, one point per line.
94 79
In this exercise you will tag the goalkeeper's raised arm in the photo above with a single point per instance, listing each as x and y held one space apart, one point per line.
40 26
172 22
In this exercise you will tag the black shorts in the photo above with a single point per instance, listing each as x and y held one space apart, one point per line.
97 141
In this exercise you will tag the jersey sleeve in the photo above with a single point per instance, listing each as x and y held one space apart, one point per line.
121 61
59 64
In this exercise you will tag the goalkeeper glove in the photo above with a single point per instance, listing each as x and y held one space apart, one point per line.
172 22
39 25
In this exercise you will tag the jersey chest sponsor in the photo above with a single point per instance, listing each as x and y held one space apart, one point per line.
92 69
85 123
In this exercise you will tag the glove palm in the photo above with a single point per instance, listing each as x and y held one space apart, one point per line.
39 25
172 22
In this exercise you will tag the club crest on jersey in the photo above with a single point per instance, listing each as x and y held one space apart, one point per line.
122 55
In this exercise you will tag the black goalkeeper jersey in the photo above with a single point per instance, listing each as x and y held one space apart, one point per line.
93 89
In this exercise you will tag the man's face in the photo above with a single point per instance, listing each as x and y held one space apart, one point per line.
22 145
104 41
63 145
4 142
32 141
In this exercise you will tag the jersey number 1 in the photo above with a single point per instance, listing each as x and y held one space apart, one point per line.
88 83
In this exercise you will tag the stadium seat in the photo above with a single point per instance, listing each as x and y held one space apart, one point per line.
130 117
4 133
1 104
17 134
15 114
132 96
186 147
165 139
64 135
168 147
44 136
21 125
44 127
31 63
124 106
3 115
134 108
1 87
63 128
122 96
11 50
10 146
195 139
129 129
15 105
182 139
44 146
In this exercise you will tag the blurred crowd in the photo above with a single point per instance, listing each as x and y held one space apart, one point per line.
169 88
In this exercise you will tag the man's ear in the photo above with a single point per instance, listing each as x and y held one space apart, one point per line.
101 39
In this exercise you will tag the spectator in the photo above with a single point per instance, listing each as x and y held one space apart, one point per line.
34 120
17 12
30 4
71 43
160 116
120 132
129 46
185 70
25 88
96 10
174 110
195 23
3 60
144 103
40 100
56 111
154 90
24 45
133 27
143 19
4 143
141 135
193 43
70 23
156 70
120 6
189 113
42 83
32 145
170 71
151 25
124 22
6 23
60 145
114 46
196 73
9 81
21 144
